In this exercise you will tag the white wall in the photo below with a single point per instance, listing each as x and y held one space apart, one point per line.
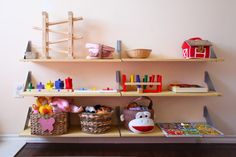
161 25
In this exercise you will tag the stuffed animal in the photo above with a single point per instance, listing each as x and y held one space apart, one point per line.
76 109
90 109
142 123
62 104
45 109
40 101
35 109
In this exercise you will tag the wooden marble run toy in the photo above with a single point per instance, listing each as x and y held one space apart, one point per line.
149 84
70 35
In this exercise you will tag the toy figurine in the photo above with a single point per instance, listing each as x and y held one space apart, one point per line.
30 86
68 82
40 86
49 85
59 84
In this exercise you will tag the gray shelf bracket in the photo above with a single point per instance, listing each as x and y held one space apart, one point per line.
208 81
28 48
118 80
27 118
28 80
119 48
213 54
207 117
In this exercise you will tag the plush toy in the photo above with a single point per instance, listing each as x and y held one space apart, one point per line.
90 109
35 109
40 101
55 108
76 109
45 109
142 123
61 104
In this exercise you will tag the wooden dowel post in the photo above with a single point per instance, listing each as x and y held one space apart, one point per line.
70 35
50 30
45 35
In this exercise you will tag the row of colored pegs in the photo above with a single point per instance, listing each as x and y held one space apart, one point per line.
59 84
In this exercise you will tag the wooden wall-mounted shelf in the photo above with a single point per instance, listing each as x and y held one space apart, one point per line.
75 131
122 60
71 94
170 93
70 60
118 94
172 60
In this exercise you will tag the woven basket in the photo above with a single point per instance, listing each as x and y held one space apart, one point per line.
95 123
59 127
130 114
139 53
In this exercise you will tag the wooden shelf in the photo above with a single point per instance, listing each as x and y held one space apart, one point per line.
156 133
75 131
70 94
170 93
70 60
133 93
171 60
123 60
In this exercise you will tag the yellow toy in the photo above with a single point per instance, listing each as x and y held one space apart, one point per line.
49 85
45 109
41 104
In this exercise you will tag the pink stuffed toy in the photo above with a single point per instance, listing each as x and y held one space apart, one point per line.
63 105
60 104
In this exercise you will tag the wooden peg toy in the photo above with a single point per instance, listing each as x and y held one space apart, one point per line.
94 88
123 83
40 86
59 84
153 85
49 85
30 86
68 82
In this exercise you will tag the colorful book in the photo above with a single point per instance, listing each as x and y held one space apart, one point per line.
188 130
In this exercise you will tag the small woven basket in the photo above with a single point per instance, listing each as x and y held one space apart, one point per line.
95 123
130 114
139 53
59 127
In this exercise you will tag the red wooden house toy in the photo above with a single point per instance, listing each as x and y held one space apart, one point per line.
196 48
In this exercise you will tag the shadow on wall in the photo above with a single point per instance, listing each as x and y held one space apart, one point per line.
222 77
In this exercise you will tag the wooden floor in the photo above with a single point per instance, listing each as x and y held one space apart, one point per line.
128 150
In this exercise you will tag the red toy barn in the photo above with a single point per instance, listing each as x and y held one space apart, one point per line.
196 48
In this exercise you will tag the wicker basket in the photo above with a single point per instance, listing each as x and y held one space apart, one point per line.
95 123
59 127
130 114
139 53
